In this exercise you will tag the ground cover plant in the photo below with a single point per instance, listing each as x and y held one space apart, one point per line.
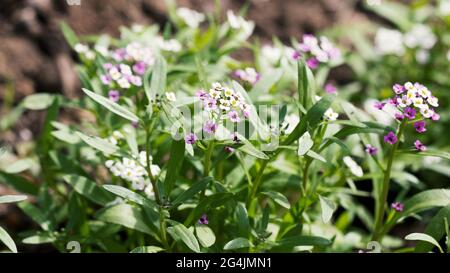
178 145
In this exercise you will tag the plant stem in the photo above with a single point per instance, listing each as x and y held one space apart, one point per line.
381 204
162 227
257 181
207 159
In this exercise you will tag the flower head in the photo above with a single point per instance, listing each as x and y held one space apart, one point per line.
114 95
210 127
419 146
410 113
312 63
330 88
420 126
398 88
203 220
234 116
379 105
399 116
190 138
390 138
371 149
397 206
331 115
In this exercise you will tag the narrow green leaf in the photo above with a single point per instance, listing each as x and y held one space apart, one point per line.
158 79
147 249
100 144
89 189
184 234
112 106
303 241
265 83
127 216
424 237
12 198
436 228
18 183
305 143
69 34
174 166
237 244
189 193
38 101
279 198
7 240
130 195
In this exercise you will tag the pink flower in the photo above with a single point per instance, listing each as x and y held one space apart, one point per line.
312 63
210 127
419 146
296 55
140 68
398 89
246 113
210 104
203 220
435 116
399 116
234 116
397 206
371 150
379 105
114 95
108 66
330 88
106 79
190 138
229 149
420 126
201 94
390 138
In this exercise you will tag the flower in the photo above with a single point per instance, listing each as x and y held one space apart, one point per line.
248 74
229 149
399 116
190 138
271 54
210 127
379 105
331 115
355 169
390 138
389 41
203 220
371 150
171 96
312 63
114 95
330 88
234 116
419 146
397 206
319 49
420 36
190 17
398 88
420 126
410 113
239 23
140 68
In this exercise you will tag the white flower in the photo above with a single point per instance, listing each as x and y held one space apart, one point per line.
114 73
149 191
444 7
103 50
420 36
171 96
171 45
125 69
418 102
331 115
426 111
80 48
124 83
271 54
239 23
433 101
409 86
355 169
389 41
422 56
90 55
191 17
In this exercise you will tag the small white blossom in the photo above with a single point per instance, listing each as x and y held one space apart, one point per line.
331 115
190 17
171 96
389 41
271 54
420 36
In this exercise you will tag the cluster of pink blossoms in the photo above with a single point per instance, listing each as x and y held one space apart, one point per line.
316 50
126 68
414 102
248 74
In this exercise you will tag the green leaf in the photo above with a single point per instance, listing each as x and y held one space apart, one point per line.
147 249
316 156
435 228
237 244
130 195
205 235
250 149
303 83
305 143
7 240
68 33
174 165
112 106
89 189
425 200
18 183
428 152
327 207
424 237
209 202
127 216
38 101
303 241
180 231
39 239
36 215
278 198
100 144
242 217
158 81
189 193
12 198
19 166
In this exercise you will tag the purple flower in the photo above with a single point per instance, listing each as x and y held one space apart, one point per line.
390 138
210 127
201 94
135 124
229 149
420 126
203 220
106 79
410 113
312 63
210 104
419 146
379 105
140 68
330 88
296 55
399 116
119 55
235 138
397 206
371 150
398 88
234 116
190 138
114 95
108 66
393 101
137 81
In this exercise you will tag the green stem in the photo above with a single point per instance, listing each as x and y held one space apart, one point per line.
162 227
257 181
207 159
382 199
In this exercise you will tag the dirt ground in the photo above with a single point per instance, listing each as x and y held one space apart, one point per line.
35 58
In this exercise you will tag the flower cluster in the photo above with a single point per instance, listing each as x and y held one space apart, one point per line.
239 23
133 170
317 50
248 74
413 102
